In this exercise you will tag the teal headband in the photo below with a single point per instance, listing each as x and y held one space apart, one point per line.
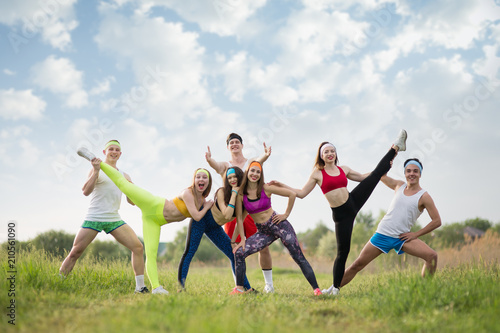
204 171
116 143
230 171
414 163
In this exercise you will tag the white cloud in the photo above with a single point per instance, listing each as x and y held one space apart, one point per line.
7 71
103 86
166 60
54 20
452 25
59 76
21 104
222 17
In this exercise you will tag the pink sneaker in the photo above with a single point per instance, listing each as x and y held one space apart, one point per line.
235 291
317 292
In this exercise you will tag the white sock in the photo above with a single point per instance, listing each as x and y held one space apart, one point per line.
268 276
139 282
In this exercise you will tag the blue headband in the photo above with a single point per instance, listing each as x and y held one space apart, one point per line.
230 171
414 163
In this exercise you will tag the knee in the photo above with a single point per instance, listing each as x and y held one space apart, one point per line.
138 249
265 252
432 257
75 253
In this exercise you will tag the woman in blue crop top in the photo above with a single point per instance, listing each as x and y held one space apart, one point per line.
256 200
332 180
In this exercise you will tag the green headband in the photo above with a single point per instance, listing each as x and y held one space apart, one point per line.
204 171
116 143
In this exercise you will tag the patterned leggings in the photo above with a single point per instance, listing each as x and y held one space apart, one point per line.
268 233
344 215
218 237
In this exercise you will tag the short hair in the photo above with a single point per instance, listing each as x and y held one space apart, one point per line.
233 136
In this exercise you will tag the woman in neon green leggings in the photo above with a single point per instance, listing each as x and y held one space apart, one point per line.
157 211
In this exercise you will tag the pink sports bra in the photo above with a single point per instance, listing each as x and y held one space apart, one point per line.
257 205
330 183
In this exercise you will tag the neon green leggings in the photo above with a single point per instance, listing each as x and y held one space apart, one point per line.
152 217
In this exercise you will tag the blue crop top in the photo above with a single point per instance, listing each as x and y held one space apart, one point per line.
257 205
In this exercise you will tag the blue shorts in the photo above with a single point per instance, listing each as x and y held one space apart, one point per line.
385 243
100 226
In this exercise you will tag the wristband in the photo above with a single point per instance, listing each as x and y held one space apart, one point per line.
234 191
229 205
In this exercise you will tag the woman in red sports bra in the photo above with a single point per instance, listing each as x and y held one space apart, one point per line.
332 179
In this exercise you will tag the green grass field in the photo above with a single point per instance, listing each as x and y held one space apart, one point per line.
98 297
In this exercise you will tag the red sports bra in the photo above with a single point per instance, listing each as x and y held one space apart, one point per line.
333 182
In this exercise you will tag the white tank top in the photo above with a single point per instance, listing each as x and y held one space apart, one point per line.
402 214
104 201
245 166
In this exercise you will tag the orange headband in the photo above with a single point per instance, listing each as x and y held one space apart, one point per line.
257 164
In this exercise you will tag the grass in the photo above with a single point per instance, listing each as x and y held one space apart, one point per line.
97 297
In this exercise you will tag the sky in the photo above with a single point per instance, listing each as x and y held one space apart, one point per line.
168 78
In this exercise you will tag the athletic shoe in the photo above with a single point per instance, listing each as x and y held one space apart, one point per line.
317 292
160 291
251 291
332 291
85 153
235 291
401 140
268 289
143 290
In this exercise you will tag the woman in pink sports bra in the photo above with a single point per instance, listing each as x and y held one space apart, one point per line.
255 198
345 205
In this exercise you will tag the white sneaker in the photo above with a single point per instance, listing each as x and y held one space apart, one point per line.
401 140
269 289
85 153
332 291
160 290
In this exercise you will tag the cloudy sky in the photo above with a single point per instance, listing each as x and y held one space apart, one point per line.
169 77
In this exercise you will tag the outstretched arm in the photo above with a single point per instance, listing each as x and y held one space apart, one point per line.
354 175
219 167
391 182
301 193
427 203
267 152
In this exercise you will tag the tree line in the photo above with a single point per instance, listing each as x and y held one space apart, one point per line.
318 242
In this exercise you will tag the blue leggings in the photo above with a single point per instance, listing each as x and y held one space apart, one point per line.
218 237
268 233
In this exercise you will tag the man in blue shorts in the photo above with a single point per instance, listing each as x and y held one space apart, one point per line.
393 231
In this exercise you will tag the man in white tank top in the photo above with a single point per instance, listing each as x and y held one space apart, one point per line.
103 214
393 231
235 146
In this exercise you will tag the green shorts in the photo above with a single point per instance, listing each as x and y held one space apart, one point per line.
100 226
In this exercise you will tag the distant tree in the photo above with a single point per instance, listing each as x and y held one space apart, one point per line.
365 219
111 250
478 223
450 235
57 243
310 238
327 247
